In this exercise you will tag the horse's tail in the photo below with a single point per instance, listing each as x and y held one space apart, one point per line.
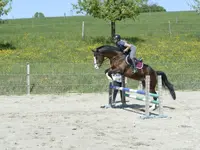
167 84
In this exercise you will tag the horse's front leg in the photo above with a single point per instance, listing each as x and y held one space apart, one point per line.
114 71
111 79
106 71
108 76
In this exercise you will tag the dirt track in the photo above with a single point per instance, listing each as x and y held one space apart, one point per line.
76 122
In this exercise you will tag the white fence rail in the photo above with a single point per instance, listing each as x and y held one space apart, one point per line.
47 78
171 26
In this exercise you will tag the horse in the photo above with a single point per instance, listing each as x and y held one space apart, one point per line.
119 63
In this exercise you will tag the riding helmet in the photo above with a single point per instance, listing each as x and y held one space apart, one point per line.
117 37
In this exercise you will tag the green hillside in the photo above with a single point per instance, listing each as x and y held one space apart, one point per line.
52 45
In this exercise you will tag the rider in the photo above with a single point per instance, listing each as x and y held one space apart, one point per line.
126 48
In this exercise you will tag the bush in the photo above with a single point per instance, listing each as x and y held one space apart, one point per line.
151 8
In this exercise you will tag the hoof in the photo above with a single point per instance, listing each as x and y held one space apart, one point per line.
106 106
153 107
120 106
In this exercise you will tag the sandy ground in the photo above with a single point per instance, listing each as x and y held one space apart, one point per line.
76 122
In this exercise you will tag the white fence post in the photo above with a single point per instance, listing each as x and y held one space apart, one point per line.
160 95
28 78
83 30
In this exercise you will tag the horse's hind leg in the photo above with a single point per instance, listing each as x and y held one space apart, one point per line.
153 106
153 82
143 84
152 87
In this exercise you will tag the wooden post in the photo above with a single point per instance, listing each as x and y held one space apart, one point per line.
83 30
170 31
176 19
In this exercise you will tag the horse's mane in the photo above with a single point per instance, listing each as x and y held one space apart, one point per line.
108 48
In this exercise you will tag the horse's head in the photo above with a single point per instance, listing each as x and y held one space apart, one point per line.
98 58
104 51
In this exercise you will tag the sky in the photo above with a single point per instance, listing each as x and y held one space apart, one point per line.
53 8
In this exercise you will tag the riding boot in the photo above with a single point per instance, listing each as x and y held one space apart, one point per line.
134 66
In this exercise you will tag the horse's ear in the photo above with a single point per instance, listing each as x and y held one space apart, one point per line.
96 50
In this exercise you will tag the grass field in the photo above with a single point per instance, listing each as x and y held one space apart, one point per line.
55 50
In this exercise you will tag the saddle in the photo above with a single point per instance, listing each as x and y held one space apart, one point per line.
138 62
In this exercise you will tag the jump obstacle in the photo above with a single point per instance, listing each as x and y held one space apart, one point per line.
145 96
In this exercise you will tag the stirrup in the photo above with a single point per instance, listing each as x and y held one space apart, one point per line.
135 70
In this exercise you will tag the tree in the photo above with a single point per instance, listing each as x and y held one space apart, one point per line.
5 7
110 10
195 5
36 15
39 15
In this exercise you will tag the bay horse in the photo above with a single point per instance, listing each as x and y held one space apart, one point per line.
119 64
